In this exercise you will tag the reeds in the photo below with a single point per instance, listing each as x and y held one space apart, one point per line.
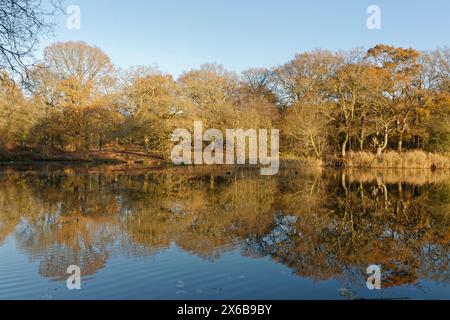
408 160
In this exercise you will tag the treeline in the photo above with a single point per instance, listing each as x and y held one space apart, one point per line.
324 103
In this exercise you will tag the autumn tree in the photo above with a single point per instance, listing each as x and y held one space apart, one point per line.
18 115
347 91
154 109
259 83
301 90
402 88
307 73
72 78
305 131
211 89
435 88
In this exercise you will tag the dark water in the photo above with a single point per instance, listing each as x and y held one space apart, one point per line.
212 234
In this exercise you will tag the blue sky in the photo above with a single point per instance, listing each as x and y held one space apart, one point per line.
178 35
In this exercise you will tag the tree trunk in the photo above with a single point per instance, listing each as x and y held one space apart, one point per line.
100 142
316 150
362 135
344 146
86 138
400 143
379 151
381 148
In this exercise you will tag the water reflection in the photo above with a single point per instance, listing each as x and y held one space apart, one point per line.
322 225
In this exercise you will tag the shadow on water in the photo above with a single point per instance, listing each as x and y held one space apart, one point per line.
322 225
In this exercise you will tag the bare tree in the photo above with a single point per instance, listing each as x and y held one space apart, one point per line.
22 23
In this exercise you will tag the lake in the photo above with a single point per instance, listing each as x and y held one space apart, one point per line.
218 233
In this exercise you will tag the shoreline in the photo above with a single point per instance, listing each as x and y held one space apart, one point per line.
414 159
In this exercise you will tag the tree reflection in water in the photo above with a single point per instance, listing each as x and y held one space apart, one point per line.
322 225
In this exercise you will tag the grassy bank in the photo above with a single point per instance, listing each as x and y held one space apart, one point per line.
362 160
407 160
416 159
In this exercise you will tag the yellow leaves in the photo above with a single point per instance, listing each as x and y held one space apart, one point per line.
208 86
74 94
379 95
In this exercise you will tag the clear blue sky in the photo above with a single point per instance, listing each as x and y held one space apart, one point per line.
178 35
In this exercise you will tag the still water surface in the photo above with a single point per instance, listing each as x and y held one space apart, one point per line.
216 234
